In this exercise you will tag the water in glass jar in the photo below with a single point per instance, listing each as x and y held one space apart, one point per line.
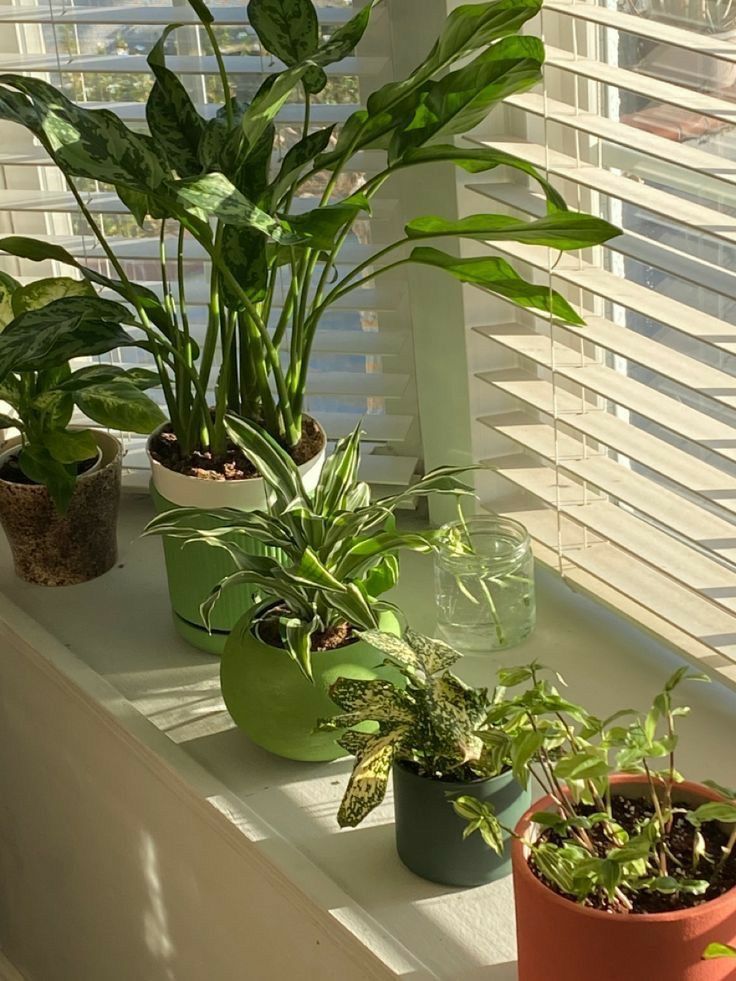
484 584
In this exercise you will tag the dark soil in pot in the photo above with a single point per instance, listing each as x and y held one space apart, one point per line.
233 464
332 639
628 812
12 472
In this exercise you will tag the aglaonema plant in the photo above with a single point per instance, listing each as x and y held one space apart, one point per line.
338 549
219 183
42 390
585 848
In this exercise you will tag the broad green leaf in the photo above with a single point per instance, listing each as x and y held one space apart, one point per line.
374 700
70 445
55 406
523 750
355 607
215 195
433 655
321 226
562 230
39 466
478 161
120 404
714 950
367 785
96 374
393 647
173 121
296 160
289 29
8 286
67 328
37 294
244 251
268 101
499 277
548 819
715 811
462 99
582 766
468 28
382 576
92 143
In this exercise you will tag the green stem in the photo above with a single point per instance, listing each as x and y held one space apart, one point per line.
225 82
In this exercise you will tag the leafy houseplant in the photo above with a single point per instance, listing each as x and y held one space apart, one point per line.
338 555
59 484
623 869
215 182
437 735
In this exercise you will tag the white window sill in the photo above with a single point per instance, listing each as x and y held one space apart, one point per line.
113 639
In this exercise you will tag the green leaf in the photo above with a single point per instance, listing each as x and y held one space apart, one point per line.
374 700
478 161
382 576
172 119
367 785
548 819
715 811
320 227
727 792
273 462
39 466
120 404
299 642
499 277
289 29
564 230
268 101
463 98
296 160
433 655
96 374
70 445
468 28
202 11
339 474
217 196
244 251
523 750
92 143
684 674
43 291
714 950
67 328
8 286
582 766
482 818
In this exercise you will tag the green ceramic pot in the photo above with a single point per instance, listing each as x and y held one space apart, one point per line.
429 834
276 706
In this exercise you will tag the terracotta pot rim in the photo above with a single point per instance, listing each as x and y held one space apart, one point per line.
241 480
521 866
449 784
101 465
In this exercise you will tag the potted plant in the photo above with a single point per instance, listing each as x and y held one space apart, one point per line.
59 484
212 181
338 555
444 742
623 869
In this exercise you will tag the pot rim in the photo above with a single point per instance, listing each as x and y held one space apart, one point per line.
451 784
241 480
11 444
521 866
282 650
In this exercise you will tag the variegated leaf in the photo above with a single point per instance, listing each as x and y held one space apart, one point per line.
367 785
455 716
393 647
338 474
289 29
278 469
375 700
216 195
299 642
296 161
433 655
37 294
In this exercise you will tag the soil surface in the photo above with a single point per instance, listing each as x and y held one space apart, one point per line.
629 813
462 774
233 464
11 471
328 640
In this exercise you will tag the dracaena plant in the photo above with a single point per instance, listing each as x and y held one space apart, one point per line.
438 725
220 183
42 391
589 850
338 549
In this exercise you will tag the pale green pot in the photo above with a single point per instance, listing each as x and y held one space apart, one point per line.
277 707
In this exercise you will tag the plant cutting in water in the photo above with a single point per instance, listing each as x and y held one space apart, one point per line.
458 542
219 183
650 853
37 382
339 549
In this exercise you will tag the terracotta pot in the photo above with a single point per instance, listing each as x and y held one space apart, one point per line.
194 570
51 549
560 940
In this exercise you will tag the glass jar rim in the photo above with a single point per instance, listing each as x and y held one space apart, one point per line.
485 524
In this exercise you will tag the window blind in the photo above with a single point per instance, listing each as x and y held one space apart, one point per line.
615 444
95 51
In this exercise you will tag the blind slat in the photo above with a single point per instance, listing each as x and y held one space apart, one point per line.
154 15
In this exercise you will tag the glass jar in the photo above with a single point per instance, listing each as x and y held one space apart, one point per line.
484 584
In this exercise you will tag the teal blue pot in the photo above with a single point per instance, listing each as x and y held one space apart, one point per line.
429 834
277 707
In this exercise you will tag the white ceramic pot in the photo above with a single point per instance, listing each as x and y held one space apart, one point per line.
244 495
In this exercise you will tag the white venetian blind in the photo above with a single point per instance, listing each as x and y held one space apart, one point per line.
95 50
616 444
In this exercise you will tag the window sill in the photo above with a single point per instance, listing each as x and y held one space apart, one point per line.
112 639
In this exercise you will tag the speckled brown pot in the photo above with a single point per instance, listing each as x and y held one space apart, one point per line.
51 549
